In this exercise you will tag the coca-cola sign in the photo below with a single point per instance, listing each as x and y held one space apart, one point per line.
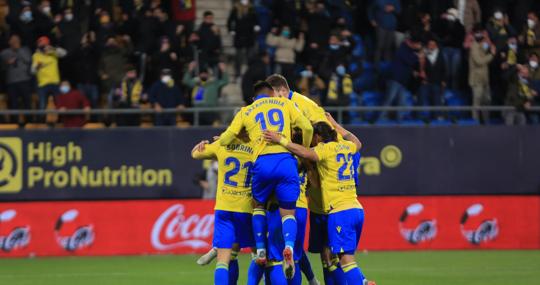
173 229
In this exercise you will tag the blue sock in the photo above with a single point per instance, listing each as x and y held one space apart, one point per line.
337 273
305 267
255 273
259 227
221 274
233 269
289 228
353 274
328 278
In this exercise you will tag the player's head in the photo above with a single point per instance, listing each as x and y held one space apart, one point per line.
280 85
263 87
297 136
243 135
323 133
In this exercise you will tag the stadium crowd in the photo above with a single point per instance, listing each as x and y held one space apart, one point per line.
149 53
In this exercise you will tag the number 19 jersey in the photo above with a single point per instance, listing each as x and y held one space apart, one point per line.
268 113
335 167
234 175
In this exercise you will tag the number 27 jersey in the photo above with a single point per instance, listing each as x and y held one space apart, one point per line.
335 167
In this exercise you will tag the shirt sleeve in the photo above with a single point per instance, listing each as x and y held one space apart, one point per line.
210 151
300 121
233 130
320 150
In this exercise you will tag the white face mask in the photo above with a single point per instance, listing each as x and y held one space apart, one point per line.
498 16
68 17
166 78
533 64
485 46
46 10
64 89
531 23
244 2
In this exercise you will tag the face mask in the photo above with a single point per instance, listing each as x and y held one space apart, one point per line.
286 33
26 16
523 80
166 78
340 70
478 37
498 16
46 10
451 18
64 89
533 64
244 2
306 73
485 46
334 47
68 17
203 79
531 23
513 47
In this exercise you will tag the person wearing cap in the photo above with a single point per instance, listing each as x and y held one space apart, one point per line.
451 34
45 67
165 94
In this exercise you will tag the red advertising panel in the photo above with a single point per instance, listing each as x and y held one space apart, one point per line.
186 226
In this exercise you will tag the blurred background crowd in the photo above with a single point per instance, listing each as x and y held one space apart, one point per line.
132 54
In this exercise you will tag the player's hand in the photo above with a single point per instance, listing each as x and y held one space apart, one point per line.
201 146
215 138
331 119
270 136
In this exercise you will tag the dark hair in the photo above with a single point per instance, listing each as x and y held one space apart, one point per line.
208 13
478 27
277 81
297 136
325 131
261 87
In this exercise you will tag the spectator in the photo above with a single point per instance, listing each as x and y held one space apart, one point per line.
258 69
469 13
383 16
70 99
25 26
184 13
148 32
165 58
499 29
534 71
44 20
165 94
425 28
530 37
242 24
87 57
335 55
105 29
431 89
311 84
69 35
209 41
128 96
404 67
319 26
45 67
16 62
452 34
112 64
520 95
286 48
205 90
481 54
340 88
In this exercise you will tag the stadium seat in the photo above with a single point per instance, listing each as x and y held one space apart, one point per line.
36 126
6 127
467 122
91 126
443 122
412 122
146 125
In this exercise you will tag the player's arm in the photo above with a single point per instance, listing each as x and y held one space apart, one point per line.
204 150
296 149
233 130
300 121
344 133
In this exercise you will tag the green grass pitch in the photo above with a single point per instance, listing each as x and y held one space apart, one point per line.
387 268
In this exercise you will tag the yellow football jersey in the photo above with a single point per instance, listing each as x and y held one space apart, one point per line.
234 175
302 199
335 167
268 113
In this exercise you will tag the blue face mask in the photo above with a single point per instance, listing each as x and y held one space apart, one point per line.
334 47
26 16
286 33
64 89
341 70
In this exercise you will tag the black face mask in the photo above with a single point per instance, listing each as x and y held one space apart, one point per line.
203 79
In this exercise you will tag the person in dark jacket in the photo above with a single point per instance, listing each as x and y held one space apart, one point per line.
431 89
520 95
383 17
87 58
165 58
452 34
258 69
165 94
25 26
242 24
404 67
209 41
69 35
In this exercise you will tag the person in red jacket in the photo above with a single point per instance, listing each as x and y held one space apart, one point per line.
71 99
